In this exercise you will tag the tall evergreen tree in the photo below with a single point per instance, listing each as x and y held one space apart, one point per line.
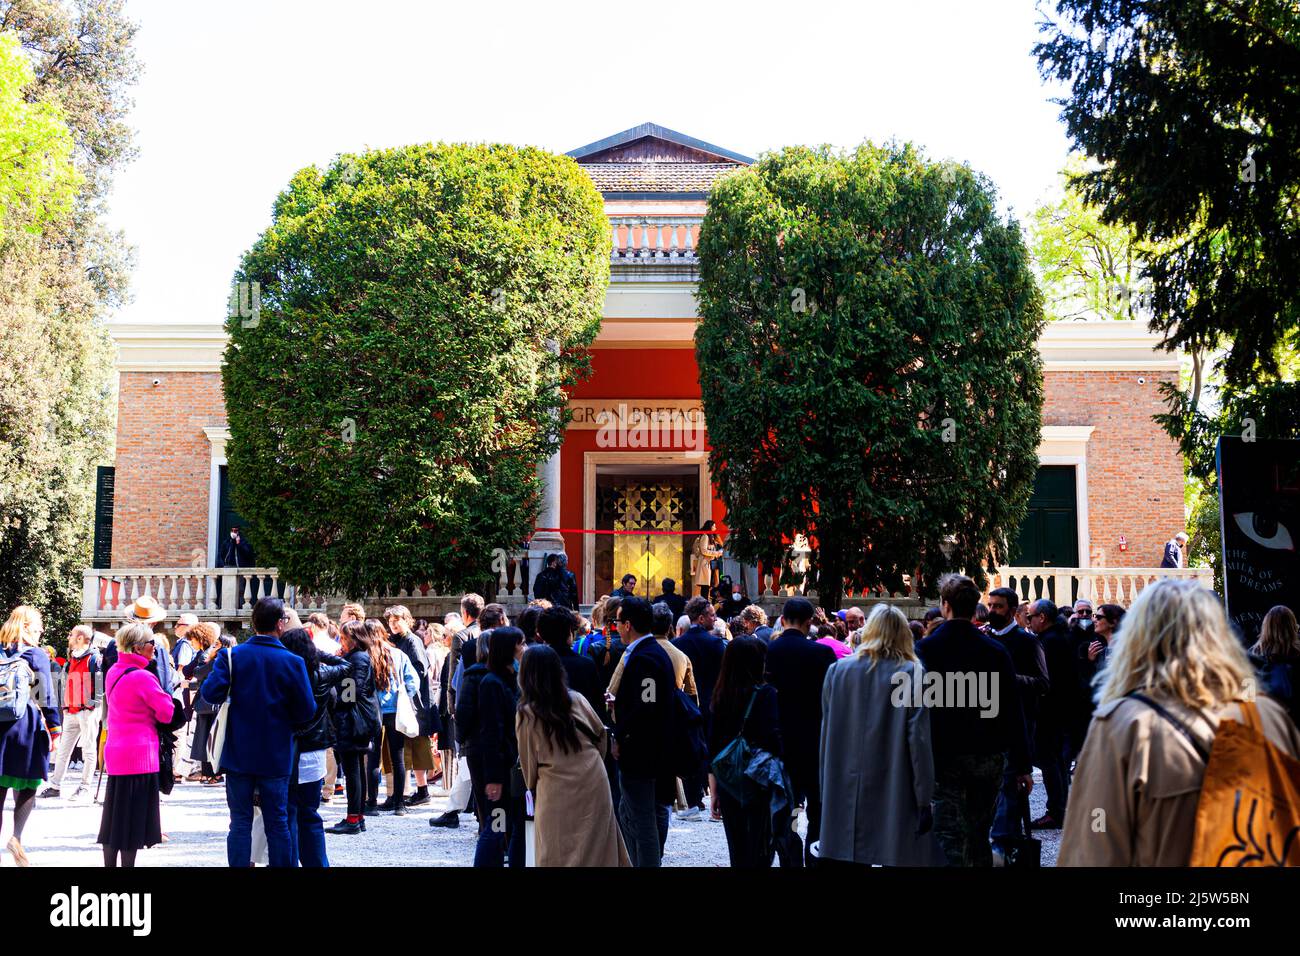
868 364
1191 113
60 276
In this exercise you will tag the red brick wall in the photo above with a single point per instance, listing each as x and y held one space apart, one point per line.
164 461
1135 473
1135 485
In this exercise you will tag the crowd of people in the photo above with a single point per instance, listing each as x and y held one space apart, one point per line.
818 739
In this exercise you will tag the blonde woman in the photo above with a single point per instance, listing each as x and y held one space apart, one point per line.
1138 774
27 730
877 769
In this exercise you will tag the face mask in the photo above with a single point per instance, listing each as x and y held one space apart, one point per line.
997 621
79 654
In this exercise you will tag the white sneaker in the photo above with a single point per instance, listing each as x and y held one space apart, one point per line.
689 814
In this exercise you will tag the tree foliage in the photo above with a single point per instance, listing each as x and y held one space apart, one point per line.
1089 269
37 178
61 271
421 310
868 362
1191 112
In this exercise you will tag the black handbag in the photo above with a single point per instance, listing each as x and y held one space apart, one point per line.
166 739
1023 852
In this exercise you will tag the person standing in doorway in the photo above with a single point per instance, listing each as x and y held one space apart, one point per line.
703 552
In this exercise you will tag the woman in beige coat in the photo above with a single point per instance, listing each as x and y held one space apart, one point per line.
703 551
1138 778
562 746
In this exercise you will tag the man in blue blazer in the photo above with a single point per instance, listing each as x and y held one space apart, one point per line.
270 697
642 732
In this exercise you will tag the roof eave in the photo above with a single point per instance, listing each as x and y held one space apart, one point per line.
659 132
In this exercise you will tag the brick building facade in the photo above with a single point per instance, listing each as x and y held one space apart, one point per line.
1111 482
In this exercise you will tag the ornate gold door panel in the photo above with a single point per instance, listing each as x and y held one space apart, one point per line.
640 503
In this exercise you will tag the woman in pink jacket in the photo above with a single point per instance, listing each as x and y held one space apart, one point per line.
136 705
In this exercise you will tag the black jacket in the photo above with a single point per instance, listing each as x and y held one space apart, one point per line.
959 647
236 554
495 742
676 603
762 730
796 667
467 709
1066 700
1031 669
584 678
705 649
558 587
198 670
356 711
642 720
318 734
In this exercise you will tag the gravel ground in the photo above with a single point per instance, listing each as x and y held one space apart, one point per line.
62 832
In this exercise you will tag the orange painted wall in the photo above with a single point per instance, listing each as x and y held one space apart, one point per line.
620 373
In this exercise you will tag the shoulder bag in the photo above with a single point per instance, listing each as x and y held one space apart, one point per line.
220 723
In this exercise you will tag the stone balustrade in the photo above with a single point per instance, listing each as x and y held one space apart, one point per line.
228 594
658 238
1098 585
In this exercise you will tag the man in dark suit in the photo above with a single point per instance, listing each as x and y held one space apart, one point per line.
1058 710
676 602
973 740
797 668
272 699
642 712
705 649
1032 681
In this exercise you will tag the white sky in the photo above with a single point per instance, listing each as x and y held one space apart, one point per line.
236 97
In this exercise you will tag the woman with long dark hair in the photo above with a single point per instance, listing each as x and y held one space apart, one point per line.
402 679
356 720
562 747
744 704
1276 659
306 831
495 753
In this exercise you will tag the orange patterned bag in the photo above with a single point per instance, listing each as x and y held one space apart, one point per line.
1249 810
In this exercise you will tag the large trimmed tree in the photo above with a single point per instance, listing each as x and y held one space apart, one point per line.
868 362
1190 114
397 371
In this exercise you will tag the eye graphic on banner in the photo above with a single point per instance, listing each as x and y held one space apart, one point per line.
1265 531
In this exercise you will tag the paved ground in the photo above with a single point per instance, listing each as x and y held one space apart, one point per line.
63 833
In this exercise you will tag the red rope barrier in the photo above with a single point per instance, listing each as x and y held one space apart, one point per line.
717 531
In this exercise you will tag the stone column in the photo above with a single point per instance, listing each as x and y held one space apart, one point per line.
548 516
